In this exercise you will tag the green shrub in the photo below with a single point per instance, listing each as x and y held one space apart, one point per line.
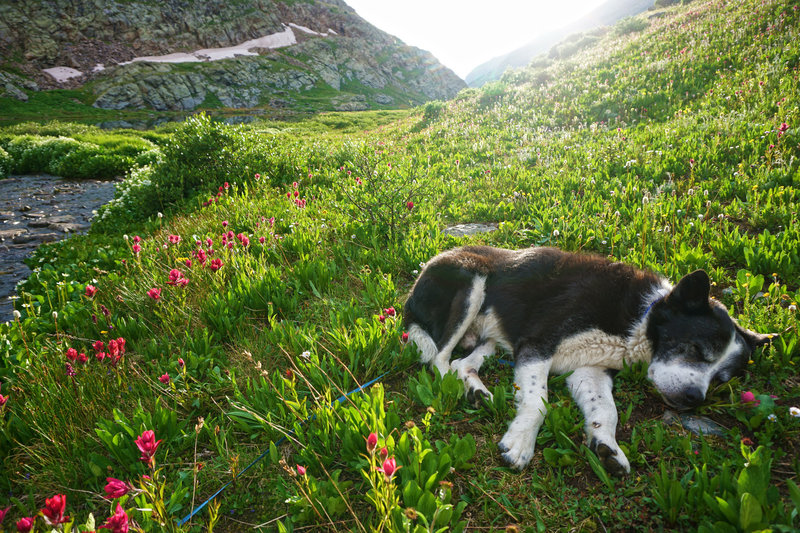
630 25
132 200
5 163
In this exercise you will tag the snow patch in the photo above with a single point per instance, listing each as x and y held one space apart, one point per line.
310 31
275 40
62 74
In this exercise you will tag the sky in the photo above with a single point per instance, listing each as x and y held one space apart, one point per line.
462 34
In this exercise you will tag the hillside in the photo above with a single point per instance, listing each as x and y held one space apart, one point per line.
592 24
187 55
244 278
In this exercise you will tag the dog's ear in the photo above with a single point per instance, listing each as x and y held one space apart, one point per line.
755 339
691 292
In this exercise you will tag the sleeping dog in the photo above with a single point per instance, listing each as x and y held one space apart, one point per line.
560 312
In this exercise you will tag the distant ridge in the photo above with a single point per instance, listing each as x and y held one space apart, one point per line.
606 14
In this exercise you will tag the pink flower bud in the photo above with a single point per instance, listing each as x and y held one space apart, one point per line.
372 441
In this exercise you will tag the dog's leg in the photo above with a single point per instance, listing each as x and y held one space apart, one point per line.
468 368
473 306
519 441
591 388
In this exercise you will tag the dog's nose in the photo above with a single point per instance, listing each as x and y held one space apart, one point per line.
693 396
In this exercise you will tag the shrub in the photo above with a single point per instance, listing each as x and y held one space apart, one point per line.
5 164
630 25
132 200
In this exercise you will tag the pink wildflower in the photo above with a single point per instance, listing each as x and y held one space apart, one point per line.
91 290
164 379
118 522
301 470
148 445
372 441
154 293
116 488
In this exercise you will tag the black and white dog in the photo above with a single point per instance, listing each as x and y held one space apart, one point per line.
561 312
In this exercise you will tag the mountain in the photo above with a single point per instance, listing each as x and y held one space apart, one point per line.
606 14
186 54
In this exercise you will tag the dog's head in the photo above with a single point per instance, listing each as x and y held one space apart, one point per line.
695 342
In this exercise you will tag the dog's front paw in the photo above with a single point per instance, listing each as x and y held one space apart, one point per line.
517 448
613 459
478 396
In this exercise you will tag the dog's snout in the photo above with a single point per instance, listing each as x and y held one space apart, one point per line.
693 396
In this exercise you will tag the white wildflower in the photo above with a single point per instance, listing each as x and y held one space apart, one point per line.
795 412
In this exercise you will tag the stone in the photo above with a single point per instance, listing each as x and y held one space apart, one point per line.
473 228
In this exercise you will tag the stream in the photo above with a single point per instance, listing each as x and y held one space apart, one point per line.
40 208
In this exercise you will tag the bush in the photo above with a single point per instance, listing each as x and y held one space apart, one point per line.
132 201
5 164
630 25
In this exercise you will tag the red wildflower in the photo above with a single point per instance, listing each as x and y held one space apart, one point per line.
24 525
258 176
154 293
180 362
301 470
410 205
390 311
164 379
98 346
91 290
100 356
215 265
174 239
121 345
749 397
3 400
136 249
389 468
113 348
116 488
72 354
54 509
3 514
118 522
384 453
82 358
404 337
372 441
148 445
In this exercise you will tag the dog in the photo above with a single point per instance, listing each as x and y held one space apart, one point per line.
560 312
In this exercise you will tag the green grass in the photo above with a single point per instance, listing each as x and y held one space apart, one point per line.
664 148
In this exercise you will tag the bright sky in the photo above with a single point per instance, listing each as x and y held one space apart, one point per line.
462 34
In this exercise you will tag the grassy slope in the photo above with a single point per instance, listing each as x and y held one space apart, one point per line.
660 148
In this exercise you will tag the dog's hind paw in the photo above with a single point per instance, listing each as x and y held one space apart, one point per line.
614 461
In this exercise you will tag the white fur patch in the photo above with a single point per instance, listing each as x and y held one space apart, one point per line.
425 344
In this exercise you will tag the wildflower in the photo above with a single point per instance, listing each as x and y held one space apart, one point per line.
70 370
771 417
215 265
3 400
72 354
306 355
137 239
91 290
188 263
54 509
384 453
411 513
164 379
100 356
372 442
747 442
176 278
226 185
294 185
3 514
224 223
404 337
24 525
136 249
795 412
82 358
388 468
154 293
113 348
410 205
116 488
382 319
556 233
180 362
749 397
174 239
258 176
301 470
148 445
17 314
118 522
390 311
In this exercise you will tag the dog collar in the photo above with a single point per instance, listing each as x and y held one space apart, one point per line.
649 307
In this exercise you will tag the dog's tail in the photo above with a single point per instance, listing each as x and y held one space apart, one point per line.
425 343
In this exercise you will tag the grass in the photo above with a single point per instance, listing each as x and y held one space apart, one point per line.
671 148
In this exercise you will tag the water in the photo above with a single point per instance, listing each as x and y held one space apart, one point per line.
36 209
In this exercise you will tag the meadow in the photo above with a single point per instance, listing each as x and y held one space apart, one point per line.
246 277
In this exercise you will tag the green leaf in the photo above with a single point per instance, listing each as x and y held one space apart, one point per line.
749 512
273 453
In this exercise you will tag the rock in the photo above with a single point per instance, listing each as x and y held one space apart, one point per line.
383 99
474 228
6 234
24 208
699 425
24 238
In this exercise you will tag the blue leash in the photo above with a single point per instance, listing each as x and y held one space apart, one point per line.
283 439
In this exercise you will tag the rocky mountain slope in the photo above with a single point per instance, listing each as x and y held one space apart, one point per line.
185 54
608 13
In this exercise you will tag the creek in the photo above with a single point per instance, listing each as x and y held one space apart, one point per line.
36 209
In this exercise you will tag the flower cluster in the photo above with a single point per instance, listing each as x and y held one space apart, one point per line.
113 352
